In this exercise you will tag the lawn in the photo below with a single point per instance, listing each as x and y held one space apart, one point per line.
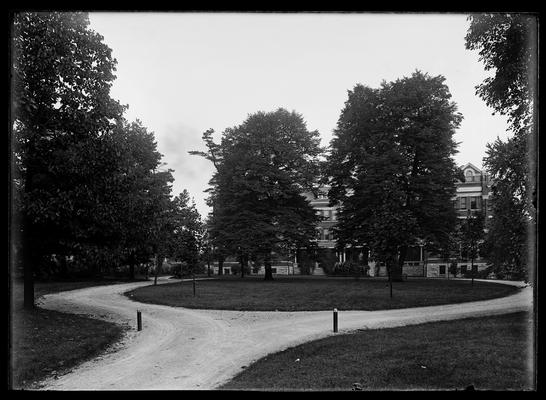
301 293
490 353
44 342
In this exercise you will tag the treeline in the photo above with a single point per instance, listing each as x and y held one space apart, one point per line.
89 193
390 169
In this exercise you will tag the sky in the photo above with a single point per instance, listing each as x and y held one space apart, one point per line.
182 73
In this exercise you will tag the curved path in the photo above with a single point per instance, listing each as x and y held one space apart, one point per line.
180 348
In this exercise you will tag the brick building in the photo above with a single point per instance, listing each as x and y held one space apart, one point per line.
472 195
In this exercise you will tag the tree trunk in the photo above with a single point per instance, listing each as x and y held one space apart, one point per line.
28 282
389 264
267 265
132 262
28 259
397 270
244 264
220 265
472 270
159 263
64 266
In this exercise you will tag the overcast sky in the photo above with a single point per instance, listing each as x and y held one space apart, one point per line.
183 73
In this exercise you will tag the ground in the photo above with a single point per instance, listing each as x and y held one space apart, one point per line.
181 348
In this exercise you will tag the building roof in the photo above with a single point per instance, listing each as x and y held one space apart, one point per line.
470 165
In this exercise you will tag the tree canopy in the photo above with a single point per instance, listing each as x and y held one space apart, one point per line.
86 184
391 169
508 46
263 167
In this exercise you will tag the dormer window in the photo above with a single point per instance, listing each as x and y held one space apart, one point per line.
469 176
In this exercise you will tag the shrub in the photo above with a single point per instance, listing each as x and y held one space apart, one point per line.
183 269
349 268
307 267
236 269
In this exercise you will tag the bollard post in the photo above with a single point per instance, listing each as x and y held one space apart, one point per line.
194 285
139 320
335 319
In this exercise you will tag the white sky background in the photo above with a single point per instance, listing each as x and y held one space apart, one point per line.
183 73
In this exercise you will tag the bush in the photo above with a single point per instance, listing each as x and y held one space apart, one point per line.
453 268
236 269
184 270
307 267
349 268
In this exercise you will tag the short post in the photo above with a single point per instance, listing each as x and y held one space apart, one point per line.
139 320
335 320
194 285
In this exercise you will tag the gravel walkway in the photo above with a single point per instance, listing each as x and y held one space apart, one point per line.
180 348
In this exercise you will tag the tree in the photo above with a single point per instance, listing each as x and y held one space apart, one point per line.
391 169
61 77
188 234
263 166
505 244
471 237
133 192
507 45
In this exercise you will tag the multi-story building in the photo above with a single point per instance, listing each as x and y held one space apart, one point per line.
472 195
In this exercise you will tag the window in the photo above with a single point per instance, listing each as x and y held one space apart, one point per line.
322 195
474 203
463 269
330 214
442 269
227 271
463 203
273 270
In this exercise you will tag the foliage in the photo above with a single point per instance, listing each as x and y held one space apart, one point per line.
262 168
391 168
507 44
471 235
88 188
348 268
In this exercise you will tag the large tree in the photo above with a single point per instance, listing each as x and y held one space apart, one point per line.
508 47
471 237
264 166
391 169
187 240
87 183
61 77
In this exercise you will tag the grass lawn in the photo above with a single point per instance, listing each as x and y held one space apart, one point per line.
301 293
43 342
489 353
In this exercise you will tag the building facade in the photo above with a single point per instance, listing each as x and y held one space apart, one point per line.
472 195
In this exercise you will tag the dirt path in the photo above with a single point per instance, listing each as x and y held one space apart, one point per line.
181 348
